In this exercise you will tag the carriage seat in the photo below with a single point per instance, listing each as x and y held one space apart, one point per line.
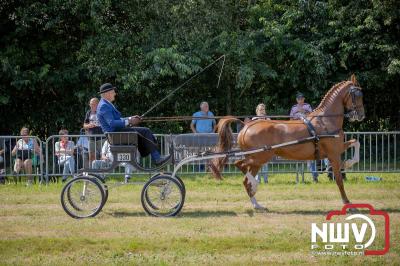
122 138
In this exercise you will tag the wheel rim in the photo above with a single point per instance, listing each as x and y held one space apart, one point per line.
163 197
83 198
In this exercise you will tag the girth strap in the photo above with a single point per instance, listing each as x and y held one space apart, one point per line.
313 133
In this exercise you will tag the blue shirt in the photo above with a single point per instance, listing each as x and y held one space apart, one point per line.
204 125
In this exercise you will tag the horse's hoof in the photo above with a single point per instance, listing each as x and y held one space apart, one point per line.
260 208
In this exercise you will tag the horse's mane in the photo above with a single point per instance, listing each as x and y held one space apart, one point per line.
330 95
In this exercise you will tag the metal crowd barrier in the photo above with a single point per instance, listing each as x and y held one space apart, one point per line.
28 156
379 152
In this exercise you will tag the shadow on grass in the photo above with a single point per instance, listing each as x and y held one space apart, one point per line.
250 213
183 214
205 213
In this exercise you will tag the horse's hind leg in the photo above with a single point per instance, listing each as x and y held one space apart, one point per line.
250 184
250 167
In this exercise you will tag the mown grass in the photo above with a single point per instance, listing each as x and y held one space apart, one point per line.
217 226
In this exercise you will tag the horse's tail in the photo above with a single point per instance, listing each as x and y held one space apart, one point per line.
225 143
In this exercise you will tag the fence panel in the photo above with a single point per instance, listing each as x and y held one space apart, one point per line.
21 156
378 153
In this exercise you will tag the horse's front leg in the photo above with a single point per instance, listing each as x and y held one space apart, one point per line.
356 158
335 161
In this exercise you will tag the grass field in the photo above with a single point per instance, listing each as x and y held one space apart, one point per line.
217 226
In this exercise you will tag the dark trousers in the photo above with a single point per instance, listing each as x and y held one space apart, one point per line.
146 140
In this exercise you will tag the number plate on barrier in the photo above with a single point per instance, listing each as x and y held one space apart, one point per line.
123 157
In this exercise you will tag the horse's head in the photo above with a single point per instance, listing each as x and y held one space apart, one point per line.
353 101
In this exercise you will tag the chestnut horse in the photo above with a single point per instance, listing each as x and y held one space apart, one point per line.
327 119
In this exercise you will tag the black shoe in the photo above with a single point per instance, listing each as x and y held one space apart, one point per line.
162 160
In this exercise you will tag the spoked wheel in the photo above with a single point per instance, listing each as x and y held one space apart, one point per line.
163 196
82 197
177 179
101 181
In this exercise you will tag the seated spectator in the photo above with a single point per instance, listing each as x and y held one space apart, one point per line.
107 159
24 150
261 115
64 150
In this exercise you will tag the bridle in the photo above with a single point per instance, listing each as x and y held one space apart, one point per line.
354 111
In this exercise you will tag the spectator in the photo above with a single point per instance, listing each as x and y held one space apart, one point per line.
111 121
64 150
301 108
82 146
92 125
107 159
261 115
298 111
203 125
24 150
2 151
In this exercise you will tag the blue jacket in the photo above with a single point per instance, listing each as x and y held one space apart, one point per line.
109 117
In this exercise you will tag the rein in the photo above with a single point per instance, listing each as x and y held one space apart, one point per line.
188 118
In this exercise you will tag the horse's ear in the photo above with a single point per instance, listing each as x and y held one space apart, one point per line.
354 80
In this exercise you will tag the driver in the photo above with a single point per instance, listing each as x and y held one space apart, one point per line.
111 121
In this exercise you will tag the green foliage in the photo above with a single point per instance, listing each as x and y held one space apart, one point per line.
55 54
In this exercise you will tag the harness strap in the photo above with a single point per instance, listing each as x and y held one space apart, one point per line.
313 133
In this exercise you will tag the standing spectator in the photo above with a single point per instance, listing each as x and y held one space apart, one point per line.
24 150
301 108
261 115
107 159
203 125
92 125
64 150
298 111
82 150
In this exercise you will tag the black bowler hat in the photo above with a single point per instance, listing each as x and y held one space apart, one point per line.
299 95
106 87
